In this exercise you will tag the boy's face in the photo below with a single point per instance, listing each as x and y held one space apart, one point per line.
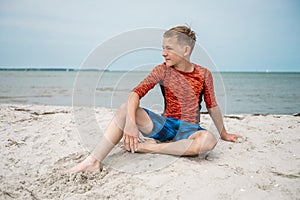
172 51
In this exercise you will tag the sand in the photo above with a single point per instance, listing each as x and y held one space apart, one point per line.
37 140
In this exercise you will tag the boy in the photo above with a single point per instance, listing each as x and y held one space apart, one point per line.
183 85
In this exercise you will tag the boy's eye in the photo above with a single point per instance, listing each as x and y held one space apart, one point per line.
168 48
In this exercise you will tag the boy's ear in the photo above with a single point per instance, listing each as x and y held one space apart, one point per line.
187 50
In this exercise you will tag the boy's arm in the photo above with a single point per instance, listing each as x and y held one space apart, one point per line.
216 116
214 110
131 131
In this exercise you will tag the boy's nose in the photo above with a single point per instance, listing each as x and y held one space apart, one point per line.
164 53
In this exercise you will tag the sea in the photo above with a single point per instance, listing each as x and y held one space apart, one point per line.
236 92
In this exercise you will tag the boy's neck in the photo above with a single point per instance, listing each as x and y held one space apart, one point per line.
185 66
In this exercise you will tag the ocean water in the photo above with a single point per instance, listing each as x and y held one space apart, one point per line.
237 92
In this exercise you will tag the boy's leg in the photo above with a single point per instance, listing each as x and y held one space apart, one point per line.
112 135
199 142
114 132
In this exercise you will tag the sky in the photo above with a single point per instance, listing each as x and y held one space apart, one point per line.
249 35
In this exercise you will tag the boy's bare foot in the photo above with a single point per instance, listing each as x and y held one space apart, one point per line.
90 164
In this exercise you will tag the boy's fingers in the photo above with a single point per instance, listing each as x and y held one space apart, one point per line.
135 143
127 143
131 144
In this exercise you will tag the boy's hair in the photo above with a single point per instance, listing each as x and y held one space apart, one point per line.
184 35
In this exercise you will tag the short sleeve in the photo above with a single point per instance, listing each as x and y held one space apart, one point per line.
155 76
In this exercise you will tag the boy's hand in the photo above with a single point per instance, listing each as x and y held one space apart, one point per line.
130 137
230 137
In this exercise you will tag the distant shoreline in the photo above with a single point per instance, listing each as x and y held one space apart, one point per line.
107 70
49 69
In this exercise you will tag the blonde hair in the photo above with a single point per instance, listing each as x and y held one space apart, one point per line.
184 35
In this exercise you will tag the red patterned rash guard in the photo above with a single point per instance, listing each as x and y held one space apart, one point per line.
182 91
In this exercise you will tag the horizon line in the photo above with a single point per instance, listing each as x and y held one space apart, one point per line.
124 70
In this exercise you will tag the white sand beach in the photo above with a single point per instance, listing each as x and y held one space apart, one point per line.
36 141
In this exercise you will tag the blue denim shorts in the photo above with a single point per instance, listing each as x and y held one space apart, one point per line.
170 129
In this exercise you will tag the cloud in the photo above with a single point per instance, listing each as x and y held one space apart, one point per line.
234 32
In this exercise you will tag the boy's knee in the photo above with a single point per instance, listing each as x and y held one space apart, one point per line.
123 106
207 142
210 140
120 114
122 109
